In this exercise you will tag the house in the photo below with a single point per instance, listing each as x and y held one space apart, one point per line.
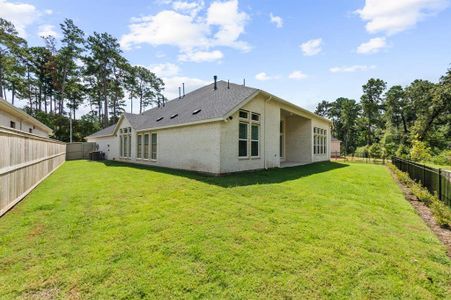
219 128
335 147
15 118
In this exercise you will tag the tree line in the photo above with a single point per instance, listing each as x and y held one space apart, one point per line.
59 77
411 122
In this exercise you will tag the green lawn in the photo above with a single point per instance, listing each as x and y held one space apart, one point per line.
111 230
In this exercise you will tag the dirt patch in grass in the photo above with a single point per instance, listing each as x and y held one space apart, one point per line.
443 234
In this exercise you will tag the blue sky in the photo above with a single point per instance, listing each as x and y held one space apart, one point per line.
302 51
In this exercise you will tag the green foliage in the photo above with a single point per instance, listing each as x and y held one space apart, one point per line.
420 151
377 151
443 158
441 212
109 230
362 151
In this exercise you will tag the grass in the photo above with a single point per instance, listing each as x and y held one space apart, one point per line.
111 230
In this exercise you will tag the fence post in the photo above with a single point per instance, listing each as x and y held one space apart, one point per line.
440 183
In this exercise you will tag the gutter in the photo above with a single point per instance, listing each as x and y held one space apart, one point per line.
264 132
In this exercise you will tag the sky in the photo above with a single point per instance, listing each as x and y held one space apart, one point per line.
303 51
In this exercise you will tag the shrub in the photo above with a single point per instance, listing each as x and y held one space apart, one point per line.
376 151
420 151
361 151
403 151
444 158
441 212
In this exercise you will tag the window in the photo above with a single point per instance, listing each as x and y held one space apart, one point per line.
319 141
255 117
146 146
30 130
249 134
12 124
243 114
255 139
153 153
242 142
282 140
125 142
139 147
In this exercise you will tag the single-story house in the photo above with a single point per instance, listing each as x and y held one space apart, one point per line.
15 118
335 147
219 128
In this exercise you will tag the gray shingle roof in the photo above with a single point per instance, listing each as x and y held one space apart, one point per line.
212 104
105 131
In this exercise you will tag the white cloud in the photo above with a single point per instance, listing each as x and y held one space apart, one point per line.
350 69
20 14
231 23
262 76
48 12
46 30
374 45
393 16
170 73
191 8
311 47
201 56
165 69
221 25
278 21
298 75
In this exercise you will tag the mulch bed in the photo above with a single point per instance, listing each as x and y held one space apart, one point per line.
443 234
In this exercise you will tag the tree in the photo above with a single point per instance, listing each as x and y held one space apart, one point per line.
371 101
104 56
148 87
322 109
66 59
11 56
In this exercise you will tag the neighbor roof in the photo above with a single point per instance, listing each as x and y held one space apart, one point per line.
202 105
12 110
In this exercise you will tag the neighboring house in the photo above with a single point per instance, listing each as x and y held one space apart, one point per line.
335 147
13 117
219 128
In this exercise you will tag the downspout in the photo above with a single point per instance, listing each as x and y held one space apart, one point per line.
264 131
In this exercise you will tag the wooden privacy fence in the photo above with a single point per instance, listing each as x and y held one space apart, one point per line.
25 160
435 180
79 150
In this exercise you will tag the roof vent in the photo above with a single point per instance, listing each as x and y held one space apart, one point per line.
228 84
215 78
174 116
196 111
183 90
159 119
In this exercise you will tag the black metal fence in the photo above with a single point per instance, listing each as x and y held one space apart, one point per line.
435 180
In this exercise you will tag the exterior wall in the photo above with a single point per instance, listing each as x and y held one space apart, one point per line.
6 118
109 145
213 147
335 148
326 126
298 133
193 147
269 138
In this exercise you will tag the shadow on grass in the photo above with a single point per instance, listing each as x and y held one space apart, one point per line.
242 178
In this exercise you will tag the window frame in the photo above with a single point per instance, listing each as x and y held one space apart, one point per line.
250 123
139 146
152 158
319 141
146 148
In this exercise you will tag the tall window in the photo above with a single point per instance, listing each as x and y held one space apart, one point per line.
125 137
282 140
249 134
319 141
153 152
146 146
139 146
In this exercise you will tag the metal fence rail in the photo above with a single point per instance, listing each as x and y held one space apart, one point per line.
435 180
